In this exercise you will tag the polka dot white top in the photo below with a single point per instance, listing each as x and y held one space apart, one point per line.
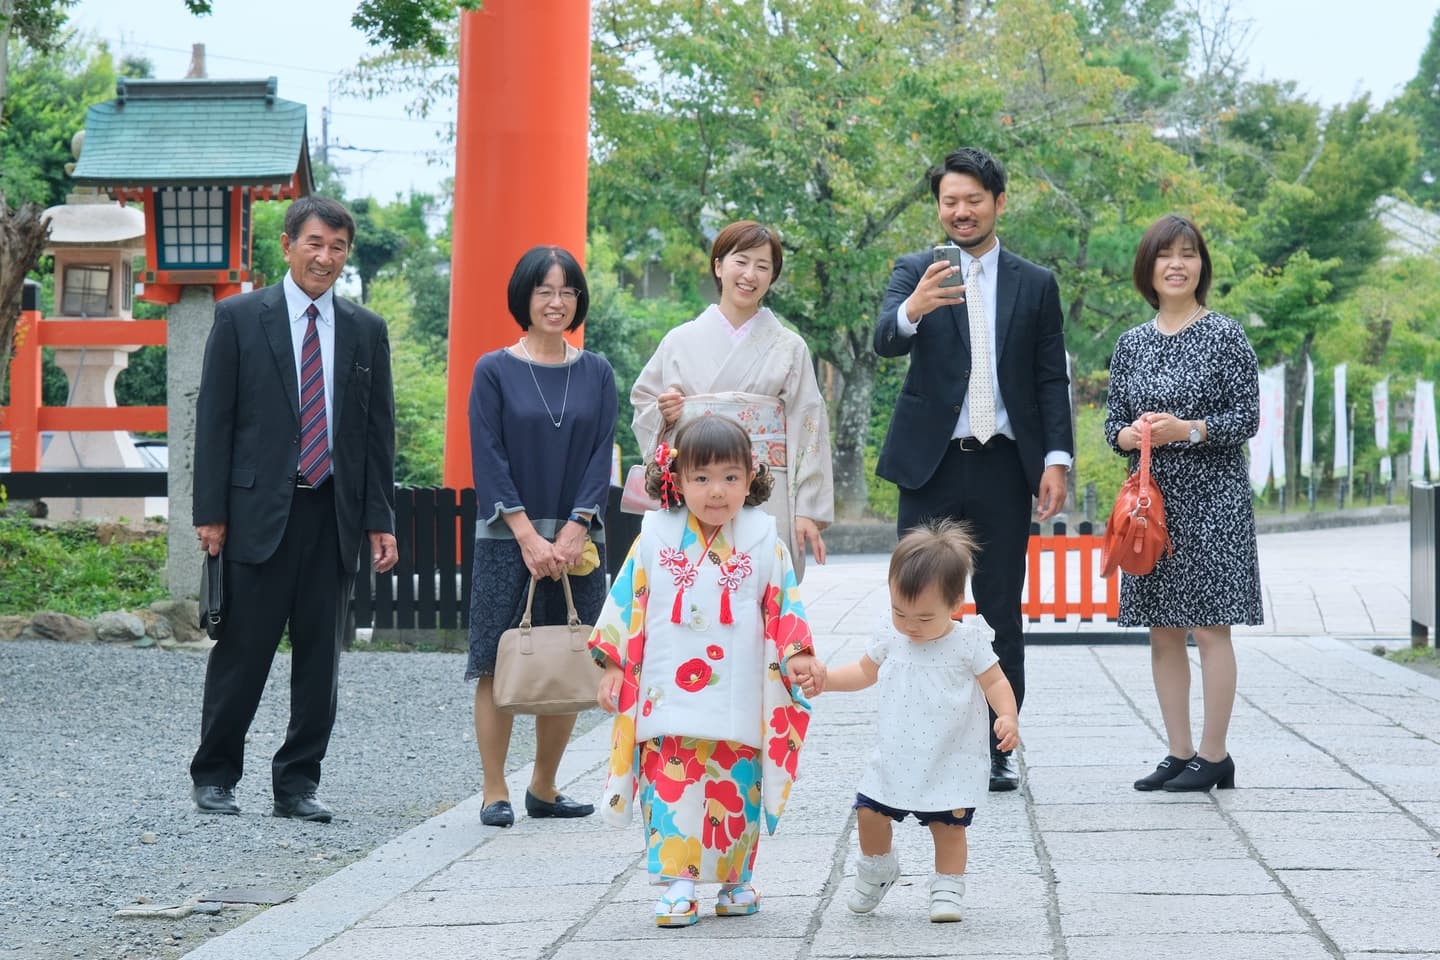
932 751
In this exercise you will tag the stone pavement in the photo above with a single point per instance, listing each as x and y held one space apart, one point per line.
1329 848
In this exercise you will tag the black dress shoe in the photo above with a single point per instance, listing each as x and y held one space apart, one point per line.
1167 770
213 799
498 814
1200 775
562 807
1003 775
302 806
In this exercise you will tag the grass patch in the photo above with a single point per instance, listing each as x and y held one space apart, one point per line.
1414 655
64 568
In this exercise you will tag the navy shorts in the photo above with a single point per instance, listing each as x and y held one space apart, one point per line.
946 817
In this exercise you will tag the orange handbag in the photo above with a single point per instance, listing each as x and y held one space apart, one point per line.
1136 536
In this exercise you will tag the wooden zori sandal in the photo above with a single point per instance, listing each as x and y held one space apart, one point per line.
666 914
738 901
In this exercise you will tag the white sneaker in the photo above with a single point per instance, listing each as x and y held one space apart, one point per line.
874 876
946 892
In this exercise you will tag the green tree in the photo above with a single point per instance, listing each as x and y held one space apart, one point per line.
51 91
822 119
376 246
1421 102
401 24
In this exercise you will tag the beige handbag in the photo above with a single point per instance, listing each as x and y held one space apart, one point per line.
546 670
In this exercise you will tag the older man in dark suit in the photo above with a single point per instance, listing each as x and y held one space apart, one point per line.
294 472
983 420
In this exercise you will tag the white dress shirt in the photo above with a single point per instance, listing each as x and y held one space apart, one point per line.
297 301
989 276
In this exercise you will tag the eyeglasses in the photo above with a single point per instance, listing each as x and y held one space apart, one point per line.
566 294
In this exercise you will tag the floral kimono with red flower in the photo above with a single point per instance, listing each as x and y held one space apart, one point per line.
708 730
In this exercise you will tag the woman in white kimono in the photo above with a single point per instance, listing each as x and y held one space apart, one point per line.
737 359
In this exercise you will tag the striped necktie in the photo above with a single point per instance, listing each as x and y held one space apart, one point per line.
314 431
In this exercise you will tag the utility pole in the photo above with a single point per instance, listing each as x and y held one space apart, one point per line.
197 62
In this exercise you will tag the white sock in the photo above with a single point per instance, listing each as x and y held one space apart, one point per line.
681 890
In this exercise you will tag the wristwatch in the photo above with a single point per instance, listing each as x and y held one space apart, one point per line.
584 520
1194 431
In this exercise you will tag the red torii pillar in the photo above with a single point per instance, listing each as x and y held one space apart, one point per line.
521 154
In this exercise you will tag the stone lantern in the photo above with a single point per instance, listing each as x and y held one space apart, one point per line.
94 241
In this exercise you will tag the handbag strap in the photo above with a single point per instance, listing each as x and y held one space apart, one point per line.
1144 463
573 617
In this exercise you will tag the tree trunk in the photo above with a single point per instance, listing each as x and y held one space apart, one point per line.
852 428
22 239
7 13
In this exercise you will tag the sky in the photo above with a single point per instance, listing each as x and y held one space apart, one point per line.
1333 53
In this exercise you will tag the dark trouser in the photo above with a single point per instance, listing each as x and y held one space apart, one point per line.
304 585
987 489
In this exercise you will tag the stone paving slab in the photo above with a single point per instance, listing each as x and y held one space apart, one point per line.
1319 853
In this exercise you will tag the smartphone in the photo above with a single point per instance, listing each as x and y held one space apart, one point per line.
950 252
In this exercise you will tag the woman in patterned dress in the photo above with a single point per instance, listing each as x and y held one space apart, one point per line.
1191 374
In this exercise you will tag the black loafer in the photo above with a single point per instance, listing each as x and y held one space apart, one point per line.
1003 775
498 814
1167 770
302 806
212 799
562 807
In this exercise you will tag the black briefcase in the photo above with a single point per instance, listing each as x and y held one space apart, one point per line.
212 593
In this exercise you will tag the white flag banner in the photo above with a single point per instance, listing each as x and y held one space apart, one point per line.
1277 419
1342 425
1267 447
1307 422
1380 402
1423 439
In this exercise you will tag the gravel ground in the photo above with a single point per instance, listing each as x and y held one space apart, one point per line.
95 809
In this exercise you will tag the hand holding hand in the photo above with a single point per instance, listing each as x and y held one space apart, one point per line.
672 405
539 555
930 296
569 544
608 695
384 553
807 534
1007 731
1164 428
807 671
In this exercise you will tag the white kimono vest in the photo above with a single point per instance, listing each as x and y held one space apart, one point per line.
701 677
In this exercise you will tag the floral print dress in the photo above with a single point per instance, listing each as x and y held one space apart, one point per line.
708 731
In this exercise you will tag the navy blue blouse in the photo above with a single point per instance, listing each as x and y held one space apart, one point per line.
521 460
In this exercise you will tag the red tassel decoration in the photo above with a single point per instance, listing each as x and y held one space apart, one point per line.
725 607
675 610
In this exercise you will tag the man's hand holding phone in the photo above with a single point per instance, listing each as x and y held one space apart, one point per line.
929 293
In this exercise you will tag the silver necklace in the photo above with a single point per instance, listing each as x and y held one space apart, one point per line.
1188 320
553 419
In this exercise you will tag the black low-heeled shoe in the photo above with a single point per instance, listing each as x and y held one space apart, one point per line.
498 814
1167 770
562 807
1200 775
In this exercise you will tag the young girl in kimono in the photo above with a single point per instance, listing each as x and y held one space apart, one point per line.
702 639
932 748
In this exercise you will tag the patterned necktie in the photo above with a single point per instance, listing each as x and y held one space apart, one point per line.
314 431
982 387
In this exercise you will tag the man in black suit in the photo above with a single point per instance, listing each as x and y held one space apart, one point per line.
983 420
294 470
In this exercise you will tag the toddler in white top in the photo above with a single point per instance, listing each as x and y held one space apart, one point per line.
932 749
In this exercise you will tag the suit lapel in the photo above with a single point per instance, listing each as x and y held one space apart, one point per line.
344 360
275 320
1007 292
